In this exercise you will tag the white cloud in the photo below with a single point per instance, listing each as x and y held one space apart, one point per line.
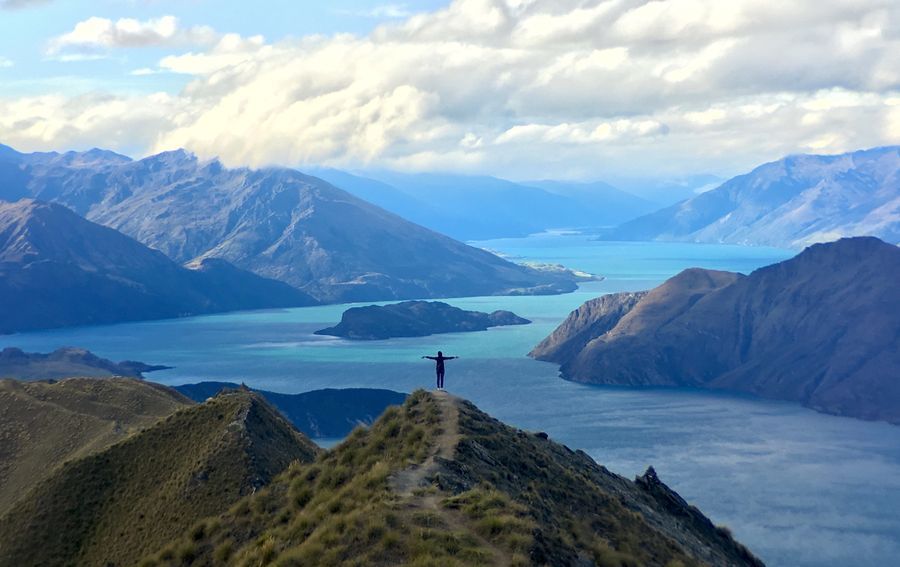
516 87
381 12
5 63
100 34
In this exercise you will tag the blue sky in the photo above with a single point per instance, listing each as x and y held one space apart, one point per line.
25 33
576 89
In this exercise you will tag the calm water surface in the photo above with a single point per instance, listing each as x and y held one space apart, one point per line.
799 488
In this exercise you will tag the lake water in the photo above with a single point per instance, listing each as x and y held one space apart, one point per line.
798 487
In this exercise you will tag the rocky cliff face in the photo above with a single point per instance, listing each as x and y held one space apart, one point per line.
275 222
822 329
58 269
790 203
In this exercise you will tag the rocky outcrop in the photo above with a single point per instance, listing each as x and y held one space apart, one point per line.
415 319
592 319
821 329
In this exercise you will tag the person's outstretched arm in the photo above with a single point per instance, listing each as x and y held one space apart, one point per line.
430 357
450 357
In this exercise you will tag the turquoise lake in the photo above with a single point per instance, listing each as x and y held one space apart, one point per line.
798 487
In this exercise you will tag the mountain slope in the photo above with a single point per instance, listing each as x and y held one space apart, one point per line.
58 269
822 329
790 203
112 507
44 424
275 222
438 482
319 413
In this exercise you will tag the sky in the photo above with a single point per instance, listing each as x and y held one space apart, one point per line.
522 89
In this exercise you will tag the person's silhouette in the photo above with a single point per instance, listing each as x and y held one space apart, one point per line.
439 367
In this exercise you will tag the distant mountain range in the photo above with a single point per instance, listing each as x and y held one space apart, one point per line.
275 222
472 207
58 269
821 329
789 203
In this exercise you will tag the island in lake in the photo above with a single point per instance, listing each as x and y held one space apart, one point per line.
415 319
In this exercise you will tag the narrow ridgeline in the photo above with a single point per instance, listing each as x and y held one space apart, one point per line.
438 482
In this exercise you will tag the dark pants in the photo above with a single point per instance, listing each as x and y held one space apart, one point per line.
440 378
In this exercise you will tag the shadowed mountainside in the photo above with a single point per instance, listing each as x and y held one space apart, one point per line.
275 222
58 269
821 329
415 319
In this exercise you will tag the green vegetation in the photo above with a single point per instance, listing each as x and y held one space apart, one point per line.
115 506
437 482
44 424
434 482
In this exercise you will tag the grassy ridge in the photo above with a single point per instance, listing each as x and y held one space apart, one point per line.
44 424
115 506
503 497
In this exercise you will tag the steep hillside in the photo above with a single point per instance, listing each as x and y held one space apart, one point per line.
437 482
58 269
64 363
415 319
112 507
822 329
44 424
275 222
790 203
319 413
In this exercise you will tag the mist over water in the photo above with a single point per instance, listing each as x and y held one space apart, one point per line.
798 487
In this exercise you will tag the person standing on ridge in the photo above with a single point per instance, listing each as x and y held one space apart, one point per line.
439 367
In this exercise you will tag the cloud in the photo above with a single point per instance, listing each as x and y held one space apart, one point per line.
381 12
522 88
5 63
20 4
101 34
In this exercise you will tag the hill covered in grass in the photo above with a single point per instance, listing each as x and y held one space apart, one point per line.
115 506
44 424
438 482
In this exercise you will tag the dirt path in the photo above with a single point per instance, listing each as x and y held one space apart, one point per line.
411 484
